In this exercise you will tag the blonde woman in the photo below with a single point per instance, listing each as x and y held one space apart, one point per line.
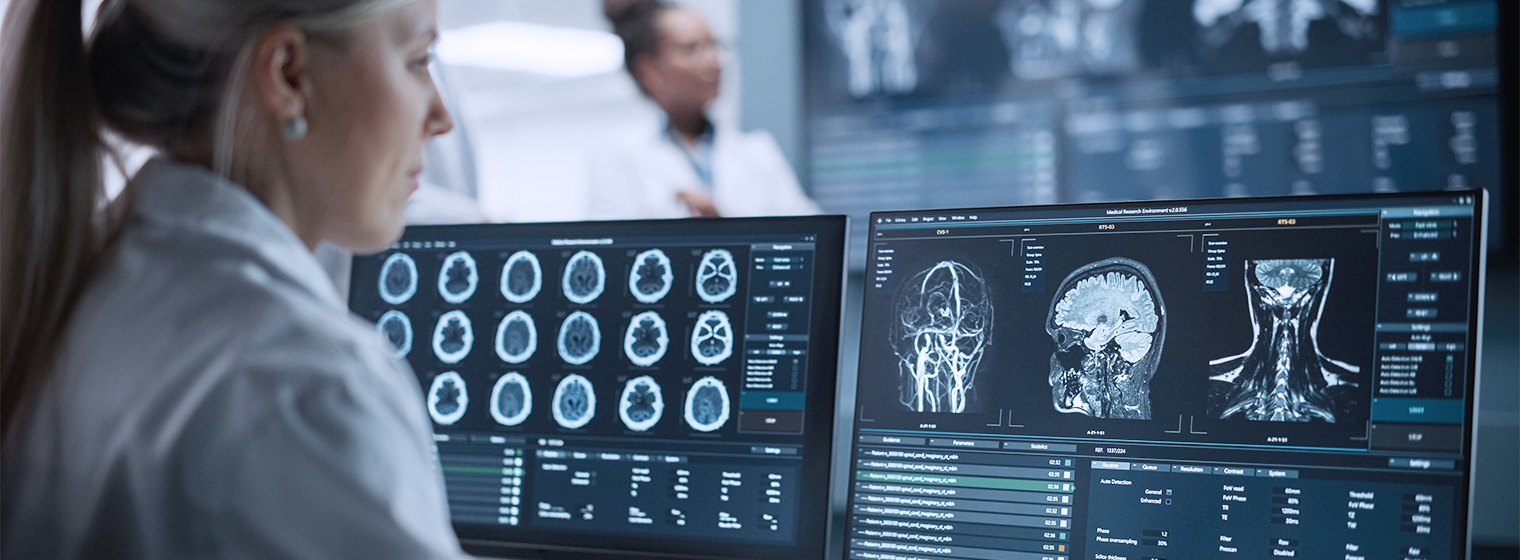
180 379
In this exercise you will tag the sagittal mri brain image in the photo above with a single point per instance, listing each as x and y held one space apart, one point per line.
1108 322
453 337
574 402
651 277
642 404
1061 38
717 276
1283 376
521 277
447 398
943 323
516 337
646 340
579 338
511 399
458 278
396 329
398 279
1283 25
707 404
712 340
879 39
585 277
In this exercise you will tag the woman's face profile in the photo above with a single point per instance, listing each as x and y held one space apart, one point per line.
686 70
372 107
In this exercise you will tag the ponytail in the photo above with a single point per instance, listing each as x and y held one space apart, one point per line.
50 187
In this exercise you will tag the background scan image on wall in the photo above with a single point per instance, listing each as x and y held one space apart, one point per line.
942 104
1280 377
622 386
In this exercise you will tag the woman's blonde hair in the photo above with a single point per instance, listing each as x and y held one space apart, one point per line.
162 73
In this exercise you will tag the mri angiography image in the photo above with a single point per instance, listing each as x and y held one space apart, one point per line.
642 404
717 276
447 398
646 339
398 278
396 329
458 278
712 340
1108 322
1283 24
1061 38
707 404
1283 376
579 338
516 337
574 402
879 39
651 277
585 277
942 327
511 399
453 337
521 277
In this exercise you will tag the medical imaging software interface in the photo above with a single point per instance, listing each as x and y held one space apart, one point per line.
1252 378
591 385
940 104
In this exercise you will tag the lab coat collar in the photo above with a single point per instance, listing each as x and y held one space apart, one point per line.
188 197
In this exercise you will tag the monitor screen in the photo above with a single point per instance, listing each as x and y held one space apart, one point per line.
656 387
1287 377
938 104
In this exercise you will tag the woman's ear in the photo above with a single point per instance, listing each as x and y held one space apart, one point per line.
278 73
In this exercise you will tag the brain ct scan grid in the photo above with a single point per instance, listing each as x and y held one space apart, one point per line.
1124 380
683 407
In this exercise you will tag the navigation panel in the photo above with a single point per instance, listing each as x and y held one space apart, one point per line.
1264 377
658 386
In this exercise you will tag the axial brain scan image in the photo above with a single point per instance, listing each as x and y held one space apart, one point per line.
1108 323
651 277
707 405
398 279
458 278
516 337
642 404
712 340
453 337
646 340
579 338
944 320
717 276
585 277
396 329
574 402
447 398
1283 376
511 399
521 277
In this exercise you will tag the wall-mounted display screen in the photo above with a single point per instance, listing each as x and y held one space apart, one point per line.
936 104
1269 378
618 387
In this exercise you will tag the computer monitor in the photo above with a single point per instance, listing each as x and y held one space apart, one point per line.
921 103
1255 378
623 388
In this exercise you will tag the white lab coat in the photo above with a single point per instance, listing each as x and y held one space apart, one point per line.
215 399
638 177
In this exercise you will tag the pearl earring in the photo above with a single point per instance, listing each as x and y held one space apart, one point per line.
295 128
